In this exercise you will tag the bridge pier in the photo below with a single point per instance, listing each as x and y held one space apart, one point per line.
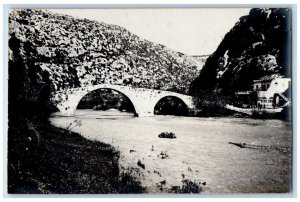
144 114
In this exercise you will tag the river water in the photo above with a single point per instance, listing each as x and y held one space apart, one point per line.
200 152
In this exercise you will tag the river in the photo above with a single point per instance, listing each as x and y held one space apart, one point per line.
201 151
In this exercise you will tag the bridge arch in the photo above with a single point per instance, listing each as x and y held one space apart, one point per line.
70 99
108 88
171 98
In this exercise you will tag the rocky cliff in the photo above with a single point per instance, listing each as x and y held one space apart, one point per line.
79 52
258 45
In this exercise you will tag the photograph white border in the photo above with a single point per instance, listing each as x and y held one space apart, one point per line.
145 4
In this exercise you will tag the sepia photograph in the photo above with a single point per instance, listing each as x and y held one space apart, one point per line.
150 101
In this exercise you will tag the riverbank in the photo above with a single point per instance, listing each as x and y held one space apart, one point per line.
58 161
284 114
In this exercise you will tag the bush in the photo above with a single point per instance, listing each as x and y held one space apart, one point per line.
189 186
128 184
211 104
167 135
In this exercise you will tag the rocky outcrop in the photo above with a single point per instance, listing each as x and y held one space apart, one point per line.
200 59
258 45
80 52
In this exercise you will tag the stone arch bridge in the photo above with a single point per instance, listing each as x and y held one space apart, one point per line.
143 100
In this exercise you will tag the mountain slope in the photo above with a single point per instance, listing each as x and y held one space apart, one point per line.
80 52
258 45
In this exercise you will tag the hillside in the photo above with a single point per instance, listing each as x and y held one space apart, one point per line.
200 59
258 45
79 52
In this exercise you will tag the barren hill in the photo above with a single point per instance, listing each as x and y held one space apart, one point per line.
79 52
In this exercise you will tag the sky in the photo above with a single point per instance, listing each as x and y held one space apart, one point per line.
196 31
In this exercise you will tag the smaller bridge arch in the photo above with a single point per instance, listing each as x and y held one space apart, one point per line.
143 100
184 98
165 101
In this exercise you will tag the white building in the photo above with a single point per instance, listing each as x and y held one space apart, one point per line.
268 86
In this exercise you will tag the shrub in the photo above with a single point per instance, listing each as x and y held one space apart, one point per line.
189 186
211 104
128 184
167 135
139 163
163 154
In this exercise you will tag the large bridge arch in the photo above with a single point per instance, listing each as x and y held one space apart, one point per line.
109 88
69 99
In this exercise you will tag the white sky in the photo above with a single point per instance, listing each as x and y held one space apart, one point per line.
190 31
